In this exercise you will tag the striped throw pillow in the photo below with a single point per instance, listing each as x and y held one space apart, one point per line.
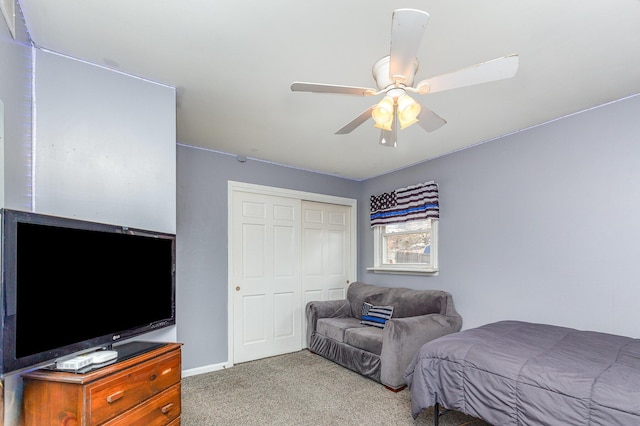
376 316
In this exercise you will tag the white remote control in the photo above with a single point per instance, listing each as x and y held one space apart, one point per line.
75 363
103 356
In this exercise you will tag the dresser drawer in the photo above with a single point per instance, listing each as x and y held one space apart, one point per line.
160 410
118 393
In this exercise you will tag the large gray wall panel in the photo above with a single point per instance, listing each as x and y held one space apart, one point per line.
105 145
202 241
540 225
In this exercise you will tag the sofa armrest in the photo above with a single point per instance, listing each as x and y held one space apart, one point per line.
325 309
403 337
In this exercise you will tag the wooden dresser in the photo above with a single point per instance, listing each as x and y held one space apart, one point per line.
141 390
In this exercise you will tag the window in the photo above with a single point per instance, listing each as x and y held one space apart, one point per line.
405 229
409 247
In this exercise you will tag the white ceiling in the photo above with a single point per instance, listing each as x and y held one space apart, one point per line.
232 63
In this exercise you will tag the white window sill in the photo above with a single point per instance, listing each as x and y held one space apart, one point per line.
402 270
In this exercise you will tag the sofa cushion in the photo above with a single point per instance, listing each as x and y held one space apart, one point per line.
406 302
411 303
374 315
334 328
358 293
368 339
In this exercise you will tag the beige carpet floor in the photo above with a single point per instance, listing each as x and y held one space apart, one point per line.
300 388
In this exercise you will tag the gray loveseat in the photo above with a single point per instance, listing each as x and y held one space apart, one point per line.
334 330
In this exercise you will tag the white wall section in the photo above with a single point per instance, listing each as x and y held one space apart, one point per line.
105 143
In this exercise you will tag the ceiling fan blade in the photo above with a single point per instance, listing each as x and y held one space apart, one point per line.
407 28
496 69
351 126
429 120
332 88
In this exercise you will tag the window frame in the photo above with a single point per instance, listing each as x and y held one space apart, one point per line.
379 266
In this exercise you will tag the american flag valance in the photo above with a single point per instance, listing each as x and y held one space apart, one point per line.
414 202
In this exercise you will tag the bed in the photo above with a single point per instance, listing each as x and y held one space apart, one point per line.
519 373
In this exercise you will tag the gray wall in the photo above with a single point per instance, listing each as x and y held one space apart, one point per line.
15 92
202 241
541 225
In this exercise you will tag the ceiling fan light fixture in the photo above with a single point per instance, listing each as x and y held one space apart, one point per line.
408 111
382 114
384 126
405 124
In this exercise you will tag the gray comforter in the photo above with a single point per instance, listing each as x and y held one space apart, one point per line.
517 373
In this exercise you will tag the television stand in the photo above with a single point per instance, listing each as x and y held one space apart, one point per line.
142 388
125 351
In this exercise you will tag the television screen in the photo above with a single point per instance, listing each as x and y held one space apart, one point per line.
71 285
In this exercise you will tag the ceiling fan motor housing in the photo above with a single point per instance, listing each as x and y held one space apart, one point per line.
384 80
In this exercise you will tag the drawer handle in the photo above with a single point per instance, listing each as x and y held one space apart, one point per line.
69 420
167 408
153 377
114 397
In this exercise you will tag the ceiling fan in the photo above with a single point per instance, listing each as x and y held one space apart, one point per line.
394 76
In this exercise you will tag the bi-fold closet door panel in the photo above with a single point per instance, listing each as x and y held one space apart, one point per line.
266 276
326 252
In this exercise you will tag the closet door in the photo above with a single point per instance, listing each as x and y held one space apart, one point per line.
267 311
326 252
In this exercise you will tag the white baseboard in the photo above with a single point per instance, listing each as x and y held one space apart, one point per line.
206 369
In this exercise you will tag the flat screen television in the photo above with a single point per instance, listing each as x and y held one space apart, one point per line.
70 285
